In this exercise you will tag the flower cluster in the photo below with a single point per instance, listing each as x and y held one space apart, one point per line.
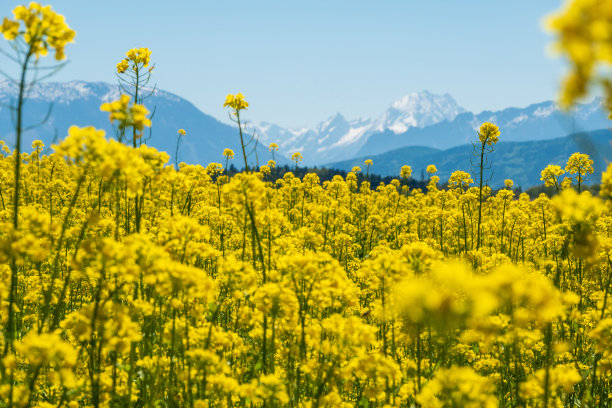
488 134
42 29
583 29
236 102
136 58
126 115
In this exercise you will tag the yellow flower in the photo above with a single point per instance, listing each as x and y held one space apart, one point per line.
488 133
550 175
182 132
458 387
405 172
37 144
123 66
10 29
139 56
368 162
296 157
43 29
460 180
431 169
236 102
228 153
579 164
127 116
583 29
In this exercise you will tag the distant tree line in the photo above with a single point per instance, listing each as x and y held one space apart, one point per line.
326 174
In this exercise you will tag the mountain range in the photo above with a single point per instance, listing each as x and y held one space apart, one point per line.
78 103
425 119
337 139
418 129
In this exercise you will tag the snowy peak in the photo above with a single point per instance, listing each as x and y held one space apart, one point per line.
424 100
62 92
419 109
336 138
68 92
332 123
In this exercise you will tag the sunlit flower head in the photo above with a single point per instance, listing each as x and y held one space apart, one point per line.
126 115
488 133
405 172
42 29
236 102
228 153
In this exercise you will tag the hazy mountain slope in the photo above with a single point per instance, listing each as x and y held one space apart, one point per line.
519 161
78 103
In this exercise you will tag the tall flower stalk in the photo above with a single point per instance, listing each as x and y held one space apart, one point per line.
33 32
488 135
237 104
134 74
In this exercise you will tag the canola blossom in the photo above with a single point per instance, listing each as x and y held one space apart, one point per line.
488 133
236 102
42 29
136 59
583 31
128 115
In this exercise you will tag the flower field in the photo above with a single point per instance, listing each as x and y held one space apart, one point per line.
126 281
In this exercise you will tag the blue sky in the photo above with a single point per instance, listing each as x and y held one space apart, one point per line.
298 62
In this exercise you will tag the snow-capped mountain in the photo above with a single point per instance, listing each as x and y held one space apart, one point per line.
62 92
418 109
338 139
425 119
540 121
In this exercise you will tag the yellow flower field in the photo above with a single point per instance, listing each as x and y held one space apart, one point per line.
126 282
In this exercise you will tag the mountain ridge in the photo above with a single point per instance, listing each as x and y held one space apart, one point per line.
429 119
521 161
324 142
78 103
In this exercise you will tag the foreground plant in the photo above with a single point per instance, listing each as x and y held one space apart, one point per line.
34 31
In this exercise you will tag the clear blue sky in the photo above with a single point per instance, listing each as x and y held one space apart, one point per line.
298 62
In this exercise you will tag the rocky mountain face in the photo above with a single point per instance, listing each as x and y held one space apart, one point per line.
337 139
